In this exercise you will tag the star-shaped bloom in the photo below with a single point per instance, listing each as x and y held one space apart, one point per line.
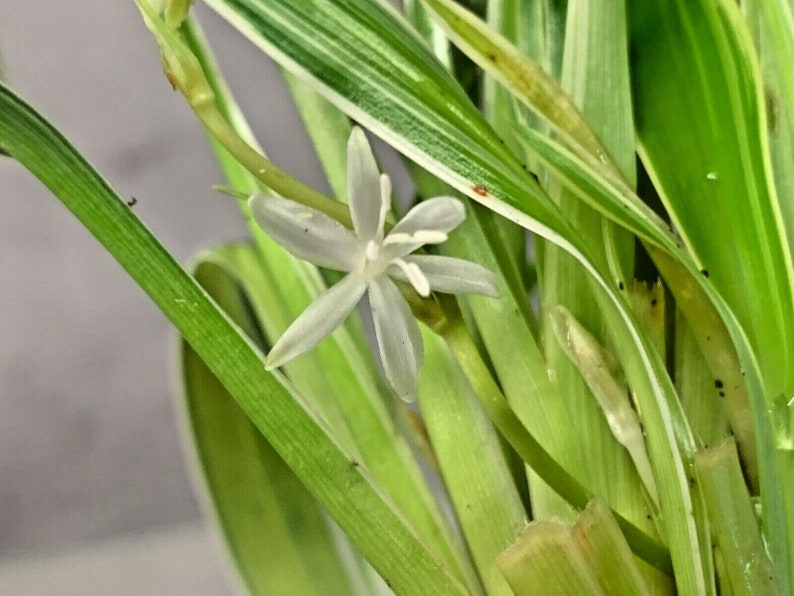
372 259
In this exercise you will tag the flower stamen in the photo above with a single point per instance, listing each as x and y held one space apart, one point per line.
415 277
372 252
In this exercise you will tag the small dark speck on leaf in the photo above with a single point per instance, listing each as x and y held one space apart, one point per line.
621 286
480 190
306 230
653 302
354 463
132 202
722 394
705 272
492 57
718 383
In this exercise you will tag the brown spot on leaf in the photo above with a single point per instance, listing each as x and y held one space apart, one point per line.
480 190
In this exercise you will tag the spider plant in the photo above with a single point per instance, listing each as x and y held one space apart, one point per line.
614 414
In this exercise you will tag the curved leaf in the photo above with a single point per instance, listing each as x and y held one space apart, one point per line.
714 180
401 92
274 529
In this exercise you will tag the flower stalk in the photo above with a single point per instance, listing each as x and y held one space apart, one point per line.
184 72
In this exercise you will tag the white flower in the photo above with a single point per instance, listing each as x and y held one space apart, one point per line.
370 258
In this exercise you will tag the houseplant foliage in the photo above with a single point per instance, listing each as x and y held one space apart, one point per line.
614 415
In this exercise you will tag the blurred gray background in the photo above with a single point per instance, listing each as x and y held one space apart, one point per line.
89 455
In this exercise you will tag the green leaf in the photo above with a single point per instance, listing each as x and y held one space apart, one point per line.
772 25
704 51
364 59
328 471
595 42
703 305
585 173
277 535
474 471
591 557
714 324
524 77
599 539
707 140
526 445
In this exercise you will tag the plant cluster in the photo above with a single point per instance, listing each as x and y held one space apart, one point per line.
591 301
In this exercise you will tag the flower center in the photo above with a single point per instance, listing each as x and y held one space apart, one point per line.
372 262
372 252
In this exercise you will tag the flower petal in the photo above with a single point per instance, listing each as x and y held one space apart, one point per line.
399 340
440 214
305 232
319 319
451 275
364 190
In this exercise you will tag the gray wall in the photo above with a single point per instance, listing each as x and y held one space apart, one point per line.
88 447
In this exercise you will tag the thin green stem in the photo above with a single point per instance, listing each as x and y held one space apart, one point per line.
264 170
183 70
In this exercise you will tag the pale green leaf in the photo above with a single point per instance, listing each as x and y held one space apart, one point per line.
545 554
735 528
474 471
275 532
